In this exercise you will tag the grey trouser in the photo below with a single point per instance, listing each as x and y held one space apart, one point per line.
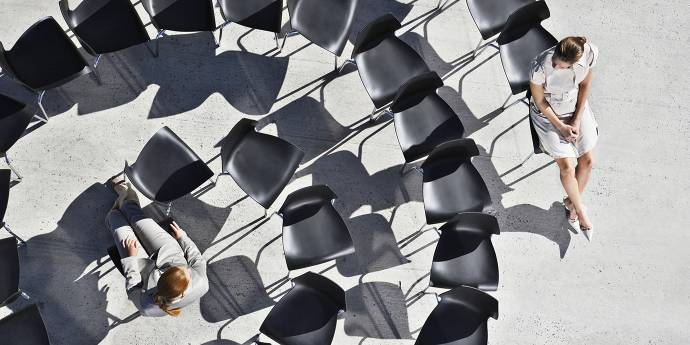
130 221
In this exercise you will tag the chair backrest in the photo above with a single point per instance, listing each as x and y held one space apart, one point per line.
167 168
258 14
181 15
375 32
104 26
459 318
522 39
490 15
304 202
459 149
473 222
27 325
414 91
15 117
325 23
237 133
5 179
44 57
9 269
324 286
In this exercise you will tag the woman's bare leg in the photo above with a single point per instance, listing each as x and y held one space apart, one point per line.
584 170
570 184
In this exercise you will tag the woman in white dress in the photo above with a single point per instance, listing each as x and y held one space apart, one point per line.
561 78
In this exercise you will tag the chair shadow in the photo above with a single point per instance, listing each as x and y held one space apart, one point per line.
187 72
235 289
376 247
307 119
344 172
376 310
202 222
54 270
548 223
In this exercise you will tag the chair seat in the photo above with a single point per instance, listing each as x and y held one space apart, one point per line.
460 318
44 57
388 66
452 188
258 14
325 23
306 315
318 238
517 55
9 268
262 165
426 125
107 25
27 325
167 168
465 255
181 15
490 15
15 117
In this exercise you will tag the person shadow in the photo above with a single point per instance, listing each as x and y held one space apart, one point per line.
61 270
187 72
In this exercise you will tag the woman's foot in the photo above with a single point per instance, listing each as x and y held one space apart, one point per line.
570 212
120 187
586 226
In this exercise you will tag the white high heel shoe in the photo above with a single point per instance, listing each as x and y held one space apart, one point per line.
568 212
588 232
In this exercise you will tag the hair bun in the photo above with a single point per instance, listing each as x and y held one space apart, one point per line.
581 40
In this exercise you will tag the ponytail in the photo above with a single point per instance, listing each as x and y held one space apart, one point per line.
171 285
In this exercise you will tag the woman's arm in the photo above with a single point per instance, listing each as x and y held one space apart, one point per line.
194 258
567 131
582 94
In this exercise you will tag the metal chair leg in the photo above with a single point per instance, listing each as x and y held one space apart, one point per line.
503 106
97 60
220 33
335 63
21 241
8 160
345 63
39 101
275 35
474 52
156 51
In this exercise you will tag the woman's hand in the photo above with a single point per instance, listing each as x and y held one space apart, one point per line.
131 245
177 230
569 132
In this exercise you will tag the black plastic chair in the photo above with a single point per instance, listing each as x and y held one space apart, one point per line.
522 39
452 184
167 168
43 58
313 231
490 16
326 23
25 327
180 15
5 180
15 117
422 119
464 254
385 63
261 164
306 315
460 318
264 15
104 26
9 271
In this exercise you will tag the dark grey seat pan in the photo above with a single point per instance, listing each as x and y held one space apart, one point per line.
465 255
313 231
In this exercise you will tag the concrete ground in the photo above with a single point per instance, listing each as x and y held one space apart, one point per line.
630 286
